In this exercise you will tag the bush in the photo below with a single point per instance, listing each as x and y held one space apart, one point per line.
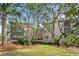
77 42
33 40
69 41
61 42
38 42
56 40
22 41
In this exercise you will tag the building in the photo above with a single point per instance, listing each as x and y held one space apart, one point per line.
21 30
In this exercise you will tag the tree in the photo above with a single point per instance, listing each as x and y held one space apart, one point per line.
37 10
6 9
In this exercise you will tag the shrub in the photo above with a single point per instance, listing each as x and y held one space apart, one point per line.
77 42
22 41
33 40
61 42
69 41
56 40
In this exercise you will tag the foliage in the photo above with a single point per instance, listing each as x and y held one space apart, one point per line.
33 40
22 41
56 40
46 14
69 41
77 42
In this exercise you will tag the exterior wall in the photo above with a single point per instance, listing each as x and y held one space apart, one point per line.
23 29
57 31
47 36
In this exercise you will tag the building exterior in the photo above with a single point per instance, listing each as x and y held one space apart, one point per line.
20 30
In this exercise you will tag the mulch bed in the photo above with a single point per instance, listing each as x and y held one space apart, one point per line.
68 48
8 47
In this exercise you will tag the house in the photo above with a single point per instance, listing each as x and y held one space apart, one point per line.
20 30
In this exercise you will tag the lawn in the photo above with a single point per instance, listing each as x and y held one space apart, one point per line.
41 50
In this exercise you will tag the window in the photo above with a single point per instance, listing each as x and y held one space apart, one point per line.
66 26
46 37
40 37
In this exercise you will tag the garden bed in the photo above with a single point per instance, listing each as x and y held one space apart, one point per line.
8 47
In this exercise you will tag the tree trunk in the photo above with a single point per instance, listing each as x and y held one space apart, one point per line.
29 39
29 43
3 28
37 28
53 30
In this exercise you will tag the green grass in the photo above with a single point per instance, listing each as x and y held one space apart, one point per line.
41 50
